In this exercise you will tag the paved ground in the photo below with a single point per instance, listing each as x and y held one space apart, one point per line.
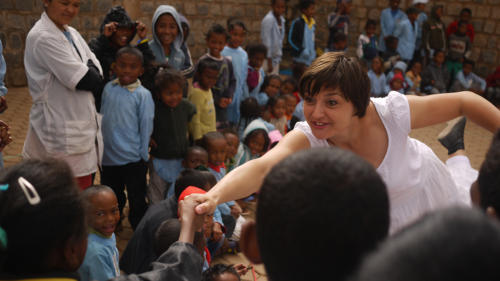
477 141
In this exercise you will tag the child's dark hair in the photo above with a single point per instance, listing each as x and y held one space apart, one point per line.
213 272
233 22
209 178
350 221
466 10
168 233
292 81
91 191
230 130
339 37
370 22
469 62
268 79
206 64
189 177
255 133
210 136
305 4
256 48
489 176
389 40
195 148
217 29
438 51
335 70
412 11
167 76
131 51
36 231
436 248
272 101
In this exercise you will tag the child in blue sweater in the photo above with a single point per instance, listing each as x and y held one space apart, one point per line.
301 38
127 123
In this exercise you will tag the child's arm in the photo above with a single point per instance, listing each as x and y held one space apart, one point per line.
197 99
461 79
146 119
479 81
296 36
247 178
434 109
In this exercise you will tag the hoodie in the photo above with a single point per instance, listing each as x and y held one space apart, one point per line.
176 59
244 154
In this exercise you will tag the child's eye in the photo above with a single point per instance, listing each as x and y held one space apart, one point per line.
100 214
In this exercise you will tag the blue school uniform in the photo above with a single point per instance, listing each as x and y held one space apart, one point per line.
377 84
239 59
301 39
101 259
407 35
388 21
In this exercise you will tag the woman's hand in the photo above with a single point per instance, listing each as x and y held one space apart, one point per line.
207 204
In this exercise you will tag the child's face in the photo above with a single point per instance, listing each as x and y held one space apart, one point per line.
216 43
412 17
166 29
122 36
376 65
273 88
104 212
287 88
341 45
370 30
396 85
309 11
439 58
439 12
397 70
195 158
232 144
416 68
208 78
257 60
217 151
467 68
256 144
291 102
237 36
279 109
394 4
172 95
393 45
465 16
128 68
279 7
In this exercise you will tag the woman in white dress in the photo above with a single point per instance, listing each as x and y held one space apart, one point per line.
339 112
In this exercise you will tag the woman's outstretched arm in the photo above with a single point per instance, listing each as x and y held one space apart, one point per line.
434 109
247 178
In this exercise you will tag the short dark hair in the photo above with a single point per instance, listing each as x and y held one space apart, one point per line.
436 52
209 137
391 39
36 230
256 48
167 76
206 64
466 10
250 109
339 37
336 70
267 81
271 102
213 272
131 51
295 218
189 177
233 22
469 62
370 22
217 29
412 11
304 4
195 148
451 244
489 176
166 234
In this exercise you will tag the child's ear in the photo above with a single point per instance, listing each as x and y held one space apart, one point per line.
492 213
248 242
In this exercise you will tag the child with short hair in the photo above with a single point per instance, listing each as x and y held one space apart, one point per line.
466 80
255 78
233 142
459 48
367 42
289 87
301 38
377 78
433 32
204 121
397 83
239 59
196 156
221 272
223 89
127 124
357 209
339 43
272 33
465 15
270 88
389 18
435 77
216 145
338 22
103 214
390 55
290 104
276 107
169 141
406 31
414 75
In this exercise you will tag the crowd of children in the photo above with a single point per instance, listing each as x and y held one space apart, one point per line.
189 123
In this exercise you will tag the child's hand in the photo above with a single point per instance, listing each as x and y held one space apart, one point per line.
224 102
236 210
241 269
142 31
110 28
190 221
3 104
153 143
216 232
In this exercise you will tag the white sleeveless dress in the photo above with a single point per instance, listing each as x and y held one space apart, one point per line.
417 180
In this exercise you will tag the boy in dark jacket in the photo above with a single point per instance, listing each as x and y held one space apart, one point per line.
435 77
301 38
433 32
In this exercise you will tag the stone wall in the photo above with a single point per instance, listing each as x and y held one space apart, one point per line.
17 17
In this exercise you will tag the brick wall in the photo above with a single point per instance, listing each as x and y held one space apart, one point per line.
17 17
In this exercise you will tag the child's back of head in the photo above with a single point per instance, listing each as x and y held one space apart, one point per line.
450 244
320 211
220 272
168 233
